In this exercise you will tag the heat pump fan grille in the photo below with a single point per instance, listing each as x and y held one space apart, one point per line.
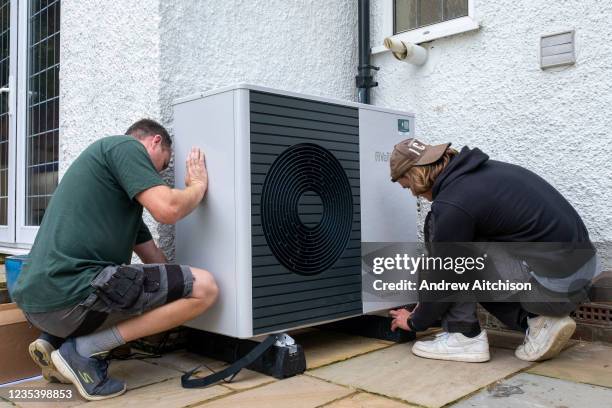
305 211
299 176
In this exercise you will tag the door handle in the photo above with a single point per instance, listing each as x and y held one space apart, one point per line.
7 90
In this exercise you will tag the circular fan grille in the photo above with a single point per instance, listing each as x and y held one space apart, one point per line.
306 209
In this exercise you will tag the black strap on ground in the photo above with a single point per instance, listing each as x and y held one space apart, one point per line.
230 371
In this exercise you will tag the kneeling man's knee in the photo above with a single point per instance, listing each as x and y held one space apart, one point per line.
204 287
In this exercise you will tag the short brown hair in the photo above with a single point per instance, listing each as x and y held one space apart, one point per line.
148 127
422 178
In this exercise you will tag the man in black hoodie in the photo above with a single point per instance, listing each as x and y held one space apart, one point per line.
477 199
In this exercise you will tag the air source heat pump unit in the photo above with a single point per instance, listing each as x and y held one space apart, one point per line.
296 183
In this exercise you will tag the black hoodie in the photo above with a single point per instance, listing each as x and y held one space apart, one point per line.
477 199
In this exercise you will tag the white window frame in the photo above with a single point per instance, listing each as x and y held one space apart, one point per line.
16 237
25 234
7 232
426 33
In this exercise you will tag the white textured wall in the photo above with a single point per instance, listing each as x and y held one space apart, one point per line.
304 46
124 60
485 89
110 71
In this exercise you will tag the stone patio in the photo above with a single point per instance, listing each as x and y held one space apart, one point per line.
350 371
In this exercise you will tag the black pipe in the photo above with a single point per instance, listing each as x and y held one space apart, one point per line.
364 79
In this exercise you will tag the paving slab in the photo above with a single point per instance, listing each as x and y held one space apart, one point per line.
248 379
295 392
184 361
244 380
138 373
397 373
323 347
166 394
535 391
4 404
363 400
589 363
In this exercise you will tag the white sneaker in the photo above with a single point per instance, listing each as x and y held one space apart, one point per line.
455 347
545 337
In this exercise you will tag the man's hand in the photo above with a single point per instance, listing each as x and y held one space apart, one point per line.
400 319
196 173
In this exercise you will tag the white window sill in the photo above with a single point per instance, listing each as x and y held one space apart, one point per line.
13 249
433 32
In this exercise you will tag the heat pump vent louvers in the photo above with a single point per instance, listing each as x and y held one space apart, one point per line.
305 211
312 247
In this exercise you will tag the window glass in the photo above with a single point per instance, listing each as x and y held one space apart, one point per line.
42 107
412 14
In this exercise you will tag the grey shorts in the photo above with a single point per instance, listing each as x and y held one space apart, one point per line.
164 283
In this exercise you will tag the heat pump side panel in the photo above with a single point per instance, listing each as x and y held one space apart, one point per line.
388 212
206 238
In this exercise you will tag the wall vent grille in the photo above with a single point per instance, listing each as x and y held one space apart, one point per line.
557 49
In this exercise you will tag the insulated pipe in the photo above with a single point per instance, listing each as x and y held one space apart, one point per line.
406 52
364 79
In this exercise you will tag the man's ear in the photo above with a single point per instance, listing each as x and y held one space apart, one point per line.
157 139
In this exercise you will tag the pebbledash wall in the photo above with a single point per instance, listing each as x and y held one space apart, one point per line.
123 61
485 89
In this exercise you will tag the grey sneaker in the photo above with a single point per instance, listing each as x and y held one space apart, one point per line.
40 350
88 374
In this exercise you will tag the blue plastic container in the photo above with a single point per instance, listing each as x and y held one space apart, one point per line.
13 265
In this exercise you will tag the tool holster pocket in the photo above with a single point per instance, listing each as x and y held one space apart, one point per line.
120 287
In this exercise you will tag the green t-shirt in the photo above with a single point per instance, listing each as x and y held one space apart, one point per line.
92 221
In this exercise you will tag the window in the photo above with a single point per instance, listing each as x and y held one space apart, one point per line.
411 14
42 108
29 112
418 21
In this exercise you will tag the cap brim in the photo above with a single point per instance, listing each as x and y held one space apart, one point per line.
432 154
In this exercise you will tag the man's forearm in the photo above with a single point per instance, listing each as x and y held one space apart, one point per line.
185 201
168 205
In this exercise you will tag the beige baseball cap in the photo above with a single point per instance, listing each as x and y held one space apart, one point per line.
411 152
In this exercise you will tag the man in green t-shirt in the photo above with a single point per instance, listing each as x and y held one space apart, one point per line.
78 286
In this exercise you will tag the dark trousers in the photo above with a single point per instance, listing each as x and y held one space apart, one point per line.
461 317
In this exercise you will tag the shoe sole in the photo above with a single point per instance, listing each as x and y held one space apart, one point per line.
67 372
556 343
40 352
465 358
